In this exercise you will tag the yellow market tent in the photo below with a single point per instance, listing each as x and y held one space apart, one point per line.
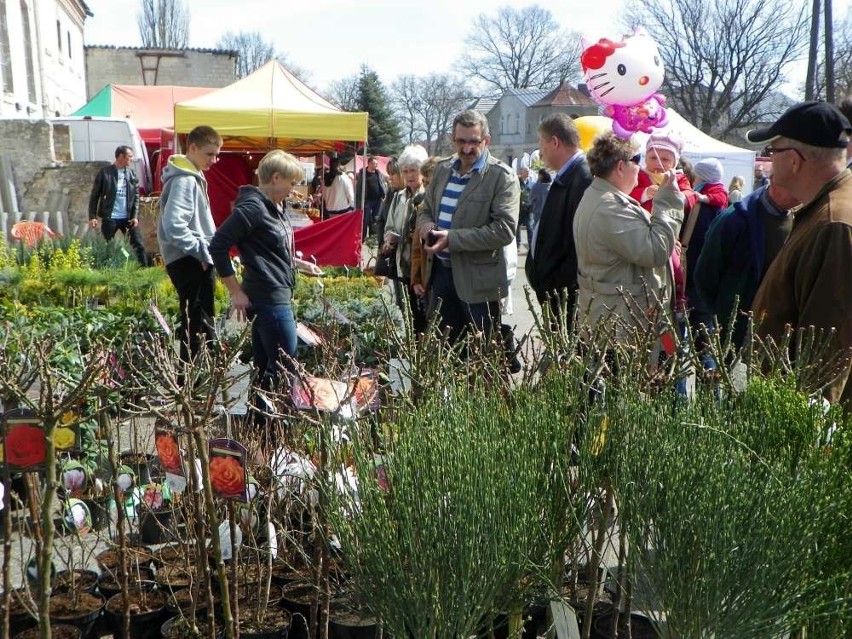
272 109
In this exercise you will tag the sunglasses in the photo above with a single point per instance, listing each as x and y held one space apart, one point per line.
770 151
635 159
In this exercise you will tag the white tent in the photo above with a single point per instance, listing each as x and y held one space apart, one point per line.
697 145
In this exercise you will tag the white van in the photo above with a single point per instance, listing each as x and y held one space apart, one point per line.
95 139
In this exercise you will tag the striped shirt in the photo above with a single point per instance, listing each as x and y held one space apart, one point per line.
450 198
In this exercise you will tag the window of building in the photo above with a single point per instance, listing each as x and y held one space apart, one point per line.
59 35
28 52
517 123
70 49
5 51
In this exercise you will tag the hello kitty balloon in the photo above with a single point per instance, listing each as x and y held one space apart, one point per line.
623 77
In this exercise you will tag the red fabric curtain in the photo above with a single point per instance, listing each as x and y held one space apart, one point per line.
334 242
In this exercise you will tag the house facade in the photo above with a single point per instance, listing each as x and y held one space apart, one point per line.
42 62
514 118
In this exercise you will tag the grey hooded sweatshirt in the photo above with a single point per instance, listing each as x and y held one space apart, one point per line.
186 223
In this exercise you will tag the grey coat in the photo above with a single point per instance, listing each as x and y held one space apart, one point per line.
186 224
483 223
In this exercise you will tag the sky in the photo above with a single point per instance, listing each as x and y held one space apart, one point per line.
332 38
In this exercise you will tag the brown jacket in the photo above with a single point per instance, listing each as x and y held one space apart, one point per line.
810 281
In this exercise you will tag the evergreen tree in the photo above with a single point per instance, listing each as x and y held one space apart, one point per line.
383 132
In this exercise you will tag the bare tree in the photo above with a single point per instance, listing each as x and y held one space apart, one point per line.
163 24
521 48
344 93
724 58
252 50
842 62
426 106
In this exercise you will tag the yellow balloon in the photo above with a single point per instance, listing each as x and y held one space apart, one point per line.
590 126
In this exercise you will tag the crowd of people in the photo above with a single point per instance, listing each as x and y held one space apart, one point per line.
616 233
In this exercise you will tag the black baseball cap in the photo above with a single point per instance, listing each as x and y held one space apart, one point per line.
815 123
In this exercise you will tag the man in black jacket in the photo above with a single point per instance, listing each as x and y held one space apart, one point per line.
551 265
115 200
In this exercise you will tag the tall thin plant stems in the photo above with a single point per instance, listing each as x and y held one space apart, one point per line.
464 520
121 522
57 394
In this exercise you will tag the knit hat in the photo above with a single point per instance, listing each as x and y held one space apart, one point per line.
708 170
665 141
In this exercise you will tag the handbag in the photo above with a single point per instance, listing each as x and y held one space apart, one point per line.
386 265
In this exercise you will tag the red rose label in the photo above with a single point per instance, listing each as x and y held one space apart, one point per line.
25 446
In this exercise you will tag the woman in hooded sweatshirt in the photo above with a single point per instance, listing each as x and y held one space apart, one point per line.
261 231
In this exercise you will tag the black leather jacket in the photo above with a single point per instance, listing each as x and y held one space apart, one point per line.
103 193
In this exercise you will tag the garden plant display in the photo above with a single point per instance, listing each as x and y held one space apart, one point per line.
451 509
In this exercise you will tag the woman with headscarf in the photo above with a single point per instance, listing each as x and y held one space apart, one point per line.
622 251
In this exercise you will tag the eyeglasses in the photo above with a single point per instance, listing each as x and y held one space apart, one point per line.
635 159
770 151
467 142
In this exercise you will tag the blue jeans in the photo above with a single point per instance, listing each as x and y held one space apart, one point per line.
456 315
372 208
273 329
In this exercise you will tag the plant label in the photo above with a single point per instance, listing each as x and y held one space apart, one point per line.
24 444
227 468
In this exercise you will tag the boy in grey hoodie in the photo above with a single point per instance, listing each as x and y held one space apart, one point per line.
184 231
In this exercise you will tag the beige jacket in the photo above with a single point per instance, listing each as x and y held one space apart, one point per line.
623 253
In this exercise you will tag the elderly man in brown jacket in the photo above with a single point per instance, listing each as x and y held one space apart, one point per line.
808 284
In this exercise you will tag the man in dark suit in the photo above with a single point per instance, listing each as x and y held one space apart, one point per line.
115 200
551 265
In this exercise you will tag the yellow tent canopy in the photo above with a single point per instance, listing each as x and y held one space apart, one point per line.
272 109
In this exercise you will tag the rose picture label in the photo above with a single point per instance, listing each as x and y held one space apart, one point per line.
168 451
24 445
227 467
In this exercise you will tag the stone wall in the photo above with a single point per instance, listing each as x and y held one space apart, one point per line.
41 182
30 146
137 66
63 187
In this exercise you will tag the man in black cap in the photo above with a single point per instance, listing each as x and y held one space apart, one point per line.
808 284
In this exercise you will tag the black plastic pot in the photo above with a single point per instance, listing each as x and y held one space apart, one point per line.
165 630
345 625
61 631
297 599
141 556
640 627
84 581
277 633
144 465
154 527
85 621
19 618
109 586
99 509
144 625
